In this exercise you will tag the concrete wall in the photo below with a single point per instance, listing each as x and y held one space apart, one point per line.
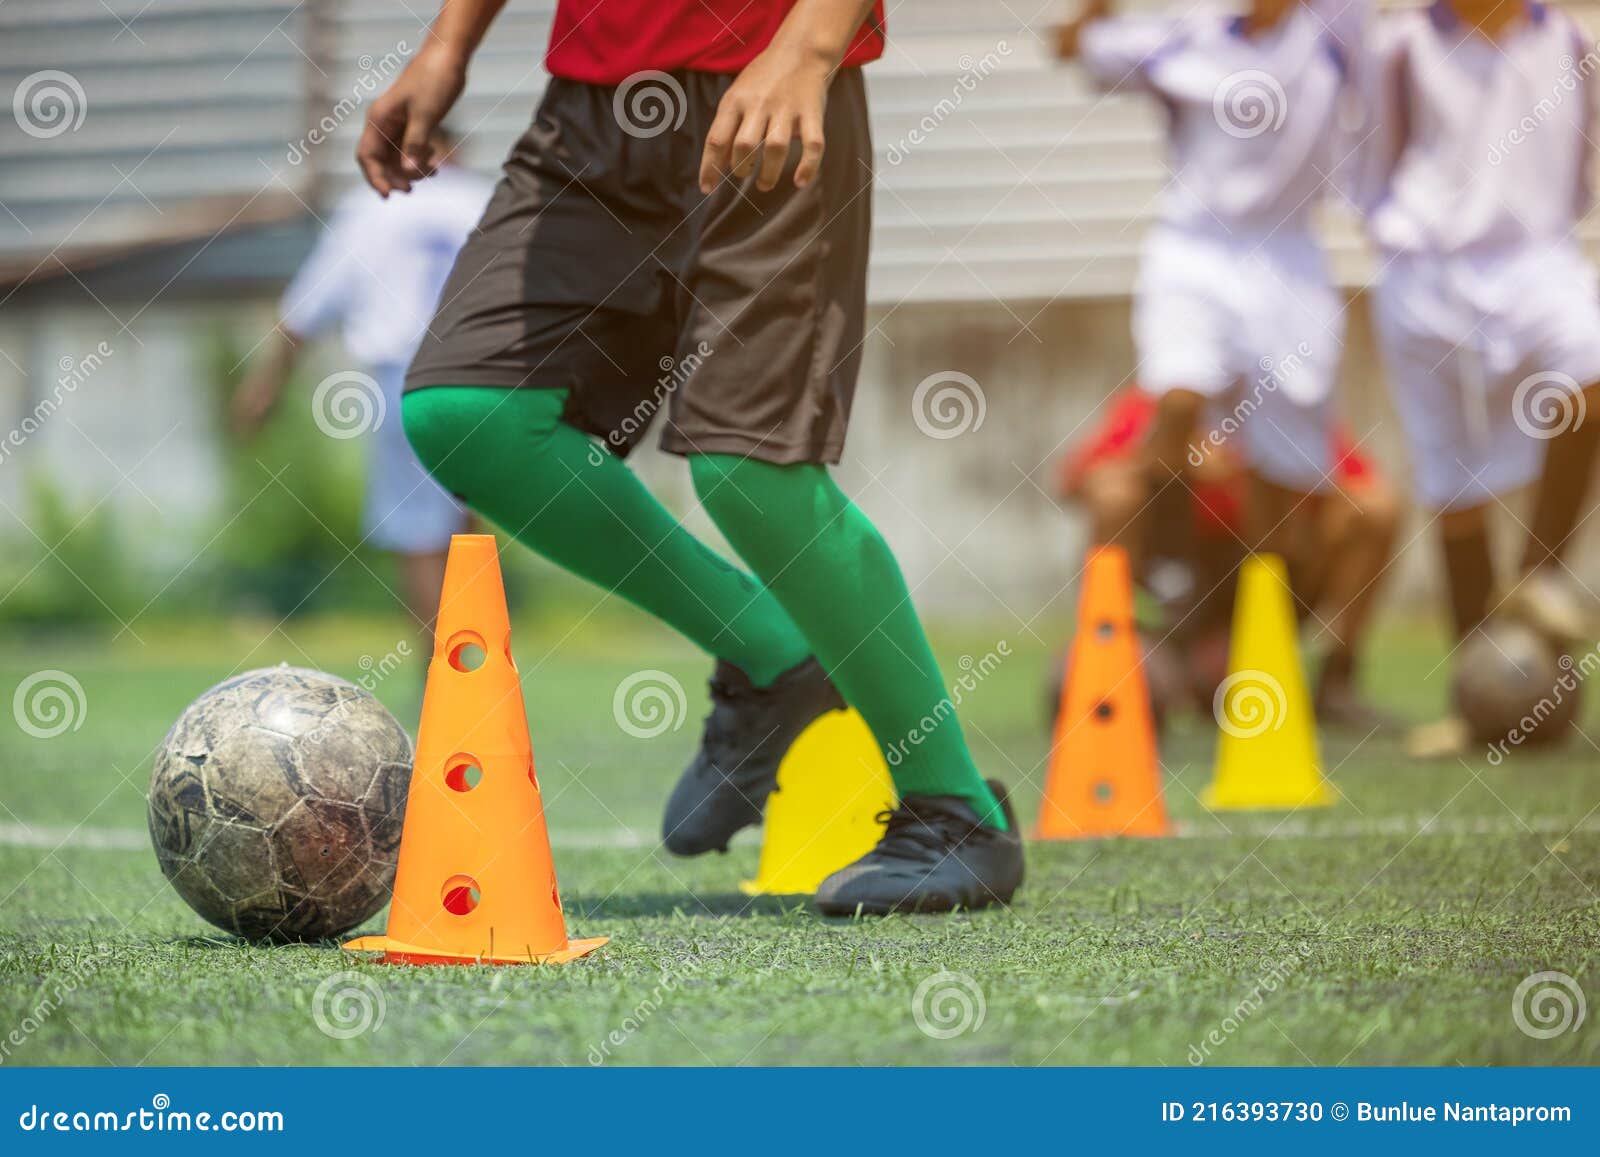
972 515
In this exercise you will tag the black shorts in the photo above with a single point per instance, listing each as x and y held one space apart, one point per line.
601 269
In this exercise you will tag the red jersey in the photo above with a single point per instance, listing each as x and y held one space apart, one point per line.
607 41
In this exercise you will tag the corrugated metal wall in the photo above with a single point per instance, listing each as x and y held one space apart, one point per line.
1002 175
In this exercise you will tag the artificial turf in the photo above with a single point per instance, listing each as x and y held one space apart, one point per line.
1391 928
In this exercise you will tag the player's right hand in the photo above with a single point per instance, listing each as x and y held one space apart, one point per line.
396 146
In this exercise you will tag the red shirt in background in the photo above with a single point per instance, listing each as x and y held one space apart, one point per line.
1218 501
607 41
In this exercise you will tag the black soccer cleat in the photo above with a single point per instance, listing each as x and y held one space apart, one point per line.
934 857
749 731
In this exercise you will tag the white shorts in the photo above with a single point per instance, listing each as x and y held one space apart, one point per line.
405 511
1485 357
1255 326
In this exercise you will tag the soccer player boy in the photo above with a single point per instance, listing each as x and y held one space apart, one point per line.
1234 303
1487 312
733 242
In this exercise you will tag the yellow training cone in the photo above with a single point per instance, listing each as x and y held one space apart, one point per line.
831 787
1267 751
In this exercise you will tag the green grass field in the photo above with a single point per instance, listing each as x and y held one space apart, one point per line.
1392 928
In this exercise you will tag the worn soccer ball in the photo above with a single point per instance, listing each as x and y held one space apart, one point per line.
1513 686
276 804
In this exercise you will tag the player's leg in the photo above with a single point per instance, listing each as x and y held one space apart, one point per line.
1166 499
1564 484
421 580
1468 564
1355 529
1112 495
407 513
777 291
513 458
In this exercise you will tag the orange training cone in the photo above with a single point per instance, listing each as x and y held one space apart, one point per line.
475 882
1104 779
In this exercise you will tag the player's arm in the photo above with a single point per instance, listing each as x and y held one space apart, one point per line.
1069 35
395 147
780 95
258 394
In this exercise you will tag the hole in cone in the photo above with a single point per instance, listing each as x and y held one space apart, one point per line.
460 895
1103 792
463 773
1104 629
466 651
1102 710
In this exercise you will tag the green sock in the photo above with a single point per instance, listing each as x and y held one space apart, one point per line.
832 571
509 455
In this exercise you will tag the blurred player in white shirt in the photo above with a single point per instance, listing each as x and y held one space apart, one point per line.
377 272
1234 311
1487 312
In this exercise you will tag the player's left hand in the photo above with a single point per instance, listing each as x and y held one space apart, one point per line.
778 98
